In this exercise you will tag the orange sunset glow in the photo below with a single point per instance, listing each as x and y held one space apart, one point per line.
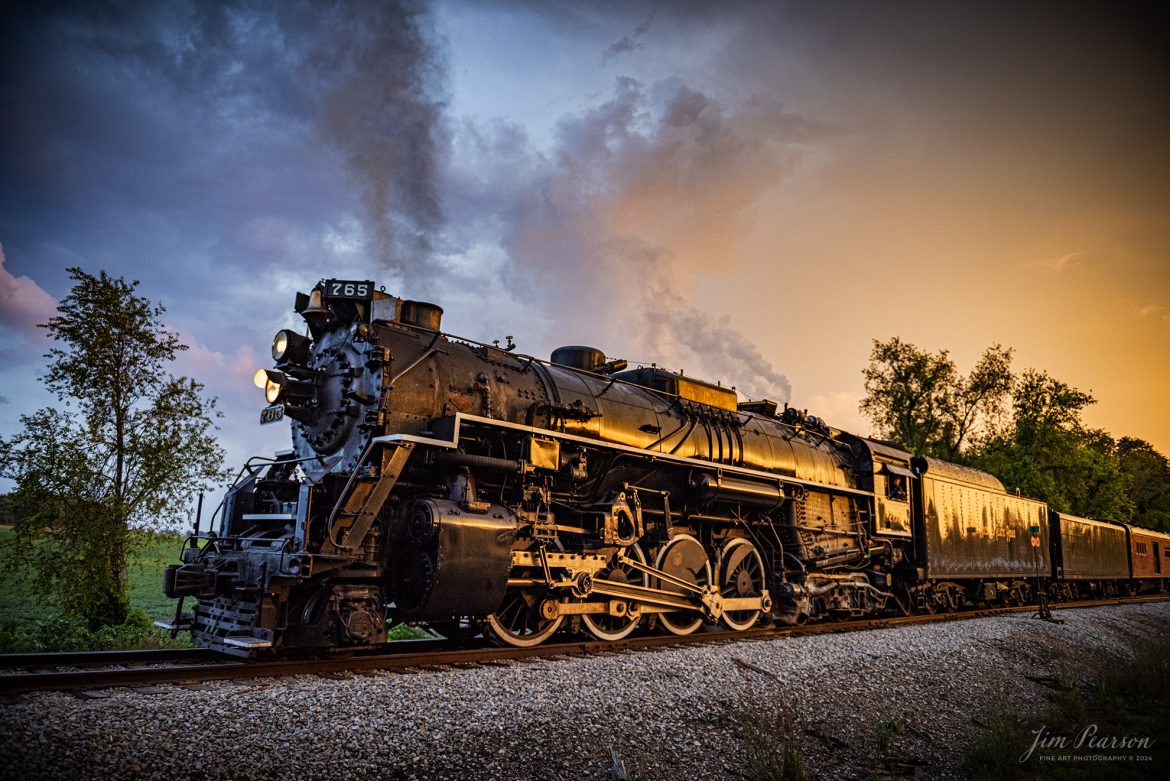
752 194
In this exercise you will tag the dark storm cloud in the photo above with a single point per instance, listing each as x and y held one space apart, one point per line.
225 154
627 43
216 114
1081 74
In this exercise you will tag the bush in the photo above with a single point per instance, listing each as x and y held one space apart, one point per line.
60 632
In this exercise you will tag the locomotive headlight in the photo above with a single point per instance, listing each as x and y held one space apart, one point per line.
273 383
290 347
280 345
280 388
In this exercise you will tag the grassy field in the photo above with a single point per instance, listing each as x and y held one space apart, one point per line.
30 621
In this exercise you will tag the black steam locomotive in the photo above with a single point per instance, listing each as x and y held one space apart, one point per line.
461 486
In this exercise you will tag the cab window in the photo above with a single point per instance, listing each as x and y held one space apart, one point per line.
896 488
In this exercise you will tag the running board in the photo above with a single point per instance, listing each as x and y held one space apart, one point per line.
247 642
182 625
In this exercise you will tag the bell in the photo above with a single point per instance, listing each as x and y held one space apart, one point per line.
316 313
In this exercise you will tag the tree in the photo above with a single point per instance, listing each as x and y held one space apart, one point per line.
1037 445
920 400
1046 453
132 443
1148 473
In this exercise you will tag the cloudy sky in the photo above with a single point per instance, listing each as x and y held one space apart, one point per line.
749 191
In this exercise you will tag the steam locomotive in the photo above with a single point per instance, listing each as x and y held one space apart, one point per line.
461 486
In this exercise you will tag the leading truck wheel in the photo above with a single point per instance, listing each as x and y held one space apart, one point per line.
684 558
519 621
741 574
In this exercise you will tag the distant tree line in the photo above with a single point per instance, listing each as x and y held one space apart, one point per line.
1025 428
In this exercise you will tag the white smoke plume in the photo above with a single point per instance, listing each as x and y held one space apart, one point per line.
606 231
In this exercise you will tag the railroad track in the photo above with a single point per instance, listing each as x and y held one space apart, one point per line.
58 659
23 673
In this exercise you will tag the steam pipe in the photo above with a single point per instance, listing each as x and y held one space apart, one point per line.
479 462
731 489
427 353
820 591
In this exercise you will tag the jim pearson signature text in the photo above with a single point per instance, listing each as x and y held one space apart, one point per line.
1087 738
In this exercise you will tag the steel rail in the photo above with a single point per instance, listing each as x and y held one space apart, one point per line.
98 658
406 654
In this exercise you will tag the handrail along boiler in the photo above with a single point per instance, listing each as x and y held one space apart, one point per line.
444 482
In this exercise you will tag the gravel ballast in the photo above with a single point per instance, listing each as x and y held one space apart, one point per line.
672 713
